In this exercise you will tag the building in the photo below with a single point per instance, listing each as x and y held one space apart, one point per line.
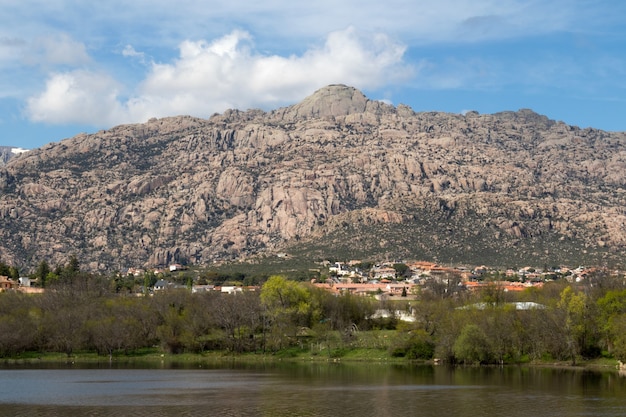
7 283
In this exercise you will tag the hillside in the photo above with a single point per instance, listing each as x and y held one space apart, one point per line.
334 175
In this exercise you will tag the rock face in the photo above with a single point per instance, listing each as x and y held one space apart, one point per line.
191 190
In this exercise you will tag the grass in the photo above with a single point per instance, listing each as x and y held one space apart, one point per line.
157 359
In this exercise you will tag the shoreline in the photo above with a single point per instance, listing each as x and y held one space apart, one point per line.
155 358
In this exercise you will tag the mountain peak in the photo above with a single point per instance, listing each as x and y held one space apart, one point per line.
333 100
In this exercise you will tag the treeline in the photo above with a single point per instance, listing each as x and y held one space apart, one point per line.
84 312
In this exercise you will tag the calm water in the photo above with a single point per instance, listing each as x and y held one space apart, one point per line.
310 390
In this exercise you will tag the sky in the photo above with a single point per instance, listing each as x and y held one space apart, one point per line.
73 66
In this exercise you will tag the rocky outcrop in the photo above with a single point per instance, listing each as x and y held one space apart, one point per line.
184 189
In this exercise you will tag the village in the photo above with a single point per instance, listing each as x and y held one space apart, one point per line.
384 279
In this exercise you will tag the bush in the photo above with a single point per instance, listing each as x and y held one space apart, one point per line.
416 344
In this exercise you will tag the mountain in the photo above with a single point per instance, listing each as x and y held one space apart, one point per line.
336 175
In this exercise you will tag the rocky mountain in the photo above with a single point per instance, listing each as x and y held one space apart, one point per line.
337 175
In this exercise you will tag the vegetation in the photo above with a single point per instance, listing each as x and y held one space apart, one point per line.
82 312
459 242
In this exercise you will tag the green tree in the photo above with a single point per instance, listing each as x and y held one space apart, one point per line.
577 322
472 346
149 279
617 331
4 269
41 274
14 273
9 271
402 270
612 307
73 266
289 306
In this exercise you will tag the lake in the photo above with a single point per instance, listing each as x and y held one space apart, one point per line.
315 389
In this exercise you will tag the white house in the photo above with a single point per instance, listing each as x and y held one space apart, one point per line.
24 281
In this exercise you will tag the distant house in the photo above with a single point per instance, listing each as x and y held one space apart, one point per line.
135 272
202 288
6 283
521 305
161 285
366 289
504 285
399 314
176 267
339 268
231 289
383 273
24 281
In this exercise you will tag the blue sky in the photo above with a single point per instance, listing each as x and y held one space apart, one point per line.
72 66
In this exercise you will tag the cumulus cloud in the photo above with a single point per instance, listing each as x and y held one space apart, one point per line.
228 72
78 96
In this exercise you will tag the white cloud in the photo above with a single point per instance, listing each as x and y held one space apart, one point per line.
228 72
78 96
130 52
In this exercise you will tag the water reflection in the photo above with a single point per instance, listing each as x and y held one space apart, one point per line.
310 390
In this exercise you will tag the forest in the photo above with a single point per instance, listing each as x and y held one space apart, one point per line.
83 312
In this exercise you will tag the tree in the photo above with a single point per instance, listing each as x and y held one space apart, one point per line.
493 293
472 346
402 270
14 273
441 287
503 330
240 316
19 323
612 307
42 272
117 324
73 266
578 323
9 271
288 305
4 269
617 329
64 315
149 279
